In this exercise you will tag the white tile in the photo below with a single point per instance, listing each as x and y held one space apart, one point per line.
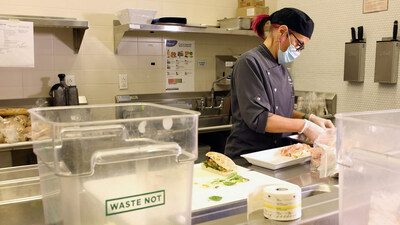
41 78
146 62
36 91
94 91
11 92
43 46
67 62
11 78
128 48
97 47
101 33
149 48
43 62
127 62
130 36
63 46
43 33
150 37
98 77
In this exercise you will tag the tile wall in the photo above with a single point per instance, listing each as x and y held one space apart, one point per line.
321 65
96 67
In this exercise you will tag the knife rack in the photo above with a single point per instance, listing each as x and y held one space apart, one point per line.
354 61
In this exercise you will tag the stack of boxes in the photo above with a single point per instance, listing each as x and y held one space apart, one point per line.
251 8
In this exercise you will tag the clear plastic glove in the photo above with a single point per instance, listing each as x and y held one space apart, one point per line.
311 130
324 123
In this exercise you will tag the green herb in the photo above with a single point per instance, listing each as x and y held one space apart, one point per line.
228 183
217 181
230 180
211 166
215 198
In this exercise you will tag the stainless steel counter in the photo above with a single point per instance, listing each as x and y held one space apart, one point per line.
20 198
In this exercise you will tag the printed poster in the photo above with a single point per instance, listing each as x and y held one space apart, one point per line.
16 44
180 65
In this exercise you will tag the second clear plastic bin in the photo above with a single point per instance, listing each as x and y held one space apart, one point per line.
369 167
115 164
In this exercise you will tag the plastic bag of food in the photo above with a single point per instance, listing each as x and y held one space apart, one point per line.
11 131
323 157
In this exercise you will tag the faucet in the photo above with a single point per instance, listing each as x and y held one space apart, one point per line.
213 91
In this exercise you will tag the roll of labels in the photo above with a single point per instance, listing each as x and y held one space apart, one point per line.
282 202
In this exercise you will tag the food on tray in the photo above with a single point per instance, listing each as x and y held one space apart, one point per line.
218 163
15 125
215 198
297 150
13 111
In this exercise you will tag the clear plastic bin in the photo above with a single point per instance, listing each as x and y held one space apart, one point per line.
115 164
369 167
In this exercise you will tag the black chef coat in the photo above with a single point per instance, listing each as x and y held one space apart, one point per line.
259 85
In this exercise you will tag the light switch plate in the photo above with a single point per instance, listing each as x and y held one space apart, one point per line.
70 80
123 81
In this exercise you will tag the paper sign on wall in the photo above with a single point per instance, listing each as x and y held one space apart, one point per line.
375 6
179 65
16 44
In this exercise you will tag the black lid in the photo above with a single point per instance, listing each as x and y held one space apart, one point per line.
295 19
61 76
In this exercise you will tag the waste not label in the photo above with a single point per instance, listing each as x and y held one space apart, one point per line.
135 202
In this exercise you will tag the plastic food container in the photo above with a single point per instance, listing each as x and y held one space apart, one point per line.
138 16
114 164
369 167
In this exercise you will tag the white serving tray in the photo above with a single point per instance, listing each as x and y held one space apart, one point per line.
272 159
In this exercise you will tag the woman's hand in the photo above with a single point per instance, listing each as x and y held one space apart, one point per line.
311 130
324 123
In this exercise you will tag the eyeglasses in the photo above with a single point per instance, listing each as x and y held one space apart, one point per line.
301 45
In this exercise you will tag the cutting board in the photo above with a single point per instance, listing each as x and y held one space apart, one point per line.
239 191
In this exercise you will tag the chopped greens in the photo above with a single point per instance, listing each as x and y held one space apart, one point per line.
215 198
230 180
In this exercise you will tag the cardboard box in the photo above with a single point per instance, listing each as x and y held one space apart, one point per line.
251 11
248 3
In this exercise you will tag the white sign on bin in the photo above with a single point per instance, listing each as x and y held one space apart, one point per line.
135 202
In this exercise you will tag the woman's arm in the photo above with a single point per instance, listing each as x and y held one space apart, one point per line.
300 115
280 124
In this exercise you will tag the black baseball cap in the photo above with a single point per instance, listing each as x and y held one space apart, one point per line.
295 19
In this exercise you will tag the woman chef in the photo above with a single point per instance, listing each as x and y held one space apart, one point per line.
262 99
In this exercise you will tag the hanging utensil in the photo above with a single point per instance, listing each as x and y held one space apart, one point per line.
395 28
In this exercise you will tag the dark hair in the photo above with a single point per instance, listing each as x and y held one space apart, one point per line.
295 19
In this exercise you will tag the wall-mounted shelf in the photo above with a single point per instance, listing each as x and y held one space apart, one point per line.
78 27
120 30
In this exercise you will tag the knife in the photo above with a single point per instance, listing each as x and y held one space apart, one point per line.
360 31
395 25
353 35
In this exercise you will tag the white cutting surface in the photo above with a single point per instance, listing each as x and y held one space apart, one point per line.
236 192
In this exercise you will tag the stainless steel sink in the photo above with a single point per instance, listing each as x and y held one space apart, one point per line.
317 189
208 121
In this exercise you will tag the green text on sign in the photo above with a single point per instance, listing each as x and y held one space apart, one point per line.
135 202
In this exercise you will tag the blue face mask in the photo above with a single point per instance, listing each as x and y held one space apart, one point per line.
289 55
